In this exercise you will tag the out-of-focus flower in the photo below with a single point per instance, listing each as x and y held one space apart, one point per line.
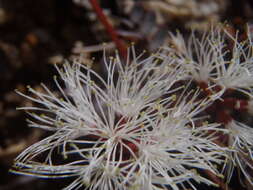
193 13
128 131
84 3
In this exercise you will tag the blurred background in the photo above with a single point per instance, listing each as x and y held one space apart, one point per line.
36 34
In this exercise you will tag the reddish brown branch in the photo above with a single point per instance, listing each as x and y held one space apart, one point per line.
217 180
109 28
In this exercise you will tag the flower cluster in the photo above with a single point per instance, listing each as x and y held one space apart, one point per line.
163 122
225 74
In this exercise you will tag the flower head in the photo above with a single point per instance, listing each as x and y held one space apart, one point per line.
128 131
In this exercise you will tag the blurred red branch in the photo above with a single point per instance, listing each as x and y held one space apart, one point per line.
109 28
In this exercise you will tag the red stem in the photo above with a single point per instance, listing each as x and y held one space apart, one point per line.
235 104
109 28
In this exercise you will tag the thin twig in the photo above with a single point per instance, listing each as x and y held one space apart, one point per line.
109 28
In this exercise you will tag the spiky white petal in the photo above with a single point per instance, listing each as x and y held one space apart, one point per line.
140 82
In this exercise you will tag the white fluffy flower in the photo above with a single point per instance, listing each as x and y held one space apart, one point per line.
208 61
107 142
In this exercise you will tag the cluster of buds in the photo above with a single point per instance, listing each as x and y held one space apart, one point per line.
162 122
